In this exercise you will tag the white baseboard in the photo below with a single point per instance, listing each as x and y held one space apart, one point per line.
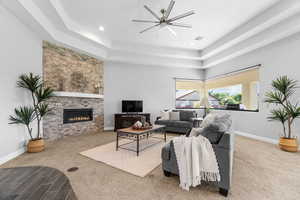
11 156
256 137
109 128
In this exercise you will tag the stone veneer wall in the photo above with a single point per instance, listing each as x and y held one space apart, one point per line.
53 124
69 71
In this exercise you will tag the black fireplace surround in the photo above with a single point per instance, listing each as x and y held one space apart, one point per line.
77 115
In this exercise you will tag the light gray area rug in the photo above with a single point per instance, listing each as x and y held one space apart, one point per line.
126 160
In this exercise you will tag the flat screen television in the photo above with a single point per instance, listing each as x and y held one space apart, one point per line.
132 106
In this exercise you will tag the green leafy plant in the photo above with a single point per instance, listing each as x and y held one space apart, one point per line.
24 115
40 94
225 98
286 112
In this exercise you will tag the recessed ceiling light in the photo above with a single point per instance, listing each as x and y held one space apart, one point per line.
199 38
101 28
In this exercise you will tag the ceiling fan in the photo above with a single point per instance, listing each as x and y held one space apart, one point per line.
164 20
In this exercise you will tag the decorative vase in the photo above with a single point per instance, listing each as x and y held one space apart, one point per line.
288 144
35 146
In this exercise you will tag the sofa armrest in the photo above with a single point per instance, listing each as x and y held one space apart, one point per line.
165 153
224 141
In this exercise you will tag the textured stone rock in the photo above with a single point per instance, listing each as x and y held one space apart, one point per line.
53 125
67 70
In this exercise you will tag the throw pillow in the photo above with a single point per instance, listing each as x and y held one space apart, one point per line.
214 126
165 115
174 116
186 115
223 122
218 121
195 132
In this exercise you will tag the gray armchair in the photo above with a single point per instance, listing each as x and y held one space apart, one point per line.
223 150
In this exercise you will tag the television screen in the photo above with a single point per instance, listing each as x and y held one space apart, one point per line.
132 106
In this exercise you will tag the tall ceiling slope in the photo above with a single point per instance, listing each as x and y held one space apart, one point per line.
230 28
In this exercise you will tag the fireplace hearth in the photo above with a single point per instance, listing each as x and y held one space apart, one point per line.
77 115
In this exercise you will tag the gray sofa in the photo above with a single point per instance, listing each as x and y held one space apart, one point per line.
223 150
182 126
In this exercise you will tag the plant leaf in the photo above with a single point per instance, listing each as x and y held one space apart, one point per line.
285 86
43 94
43 109
278 115
30 82
23 115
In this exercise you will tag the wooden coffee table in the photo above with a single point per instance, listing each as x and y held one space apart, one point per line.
138 135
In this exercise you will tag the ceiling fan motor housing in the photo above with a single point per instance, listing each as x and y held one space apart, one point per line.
164 20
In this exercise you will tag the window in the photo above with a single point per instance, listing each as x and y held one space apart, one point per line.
220 97
239 91
234 91
188 94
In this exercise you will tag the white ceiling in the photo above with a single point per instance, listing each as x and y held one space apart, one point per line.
213 19
231 28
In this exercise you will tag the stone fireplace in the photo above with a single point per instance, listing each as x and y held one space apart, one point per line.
57 126
77 107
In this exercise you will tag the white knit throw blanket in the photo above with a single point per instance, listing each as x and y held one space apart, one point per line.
196 161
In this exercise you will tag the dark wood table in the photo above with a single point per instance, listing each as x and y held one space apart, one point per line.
138 135
30 183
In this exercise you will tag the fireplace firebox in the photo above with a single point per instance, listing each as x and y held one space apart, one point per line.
77 115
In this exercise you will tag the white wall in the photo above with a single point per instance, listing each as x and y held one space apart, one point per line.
154 85
20 52
280 58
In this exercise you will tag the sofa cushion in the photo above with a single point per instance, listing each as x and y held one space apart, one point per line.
186 115
162 122
182 124
175 123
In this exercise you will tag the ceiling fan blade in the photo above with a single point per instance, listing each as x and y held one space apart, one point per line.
172 31
181 16
145 21
180 25
153 13
171 5
151 27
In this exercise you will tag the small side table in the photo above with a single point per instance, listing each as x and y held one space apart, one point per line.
197 121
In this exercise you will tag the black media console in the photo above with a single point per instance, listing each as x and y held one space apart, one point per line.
125 120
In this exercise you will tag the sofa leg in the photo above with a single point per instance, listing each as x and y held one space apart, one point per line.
223 192
167 174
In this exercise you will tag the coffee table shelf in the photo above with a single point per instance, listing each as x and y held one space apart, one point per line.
138 135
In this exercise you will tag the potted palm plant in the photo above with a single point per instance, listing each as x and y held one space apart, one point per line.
285 111
27 114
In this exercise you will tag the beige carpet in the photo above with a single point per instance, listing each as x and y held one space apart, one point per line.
126 160
260 172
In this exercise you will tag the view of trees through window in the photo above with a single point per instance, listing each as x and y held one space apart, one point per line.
220 97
